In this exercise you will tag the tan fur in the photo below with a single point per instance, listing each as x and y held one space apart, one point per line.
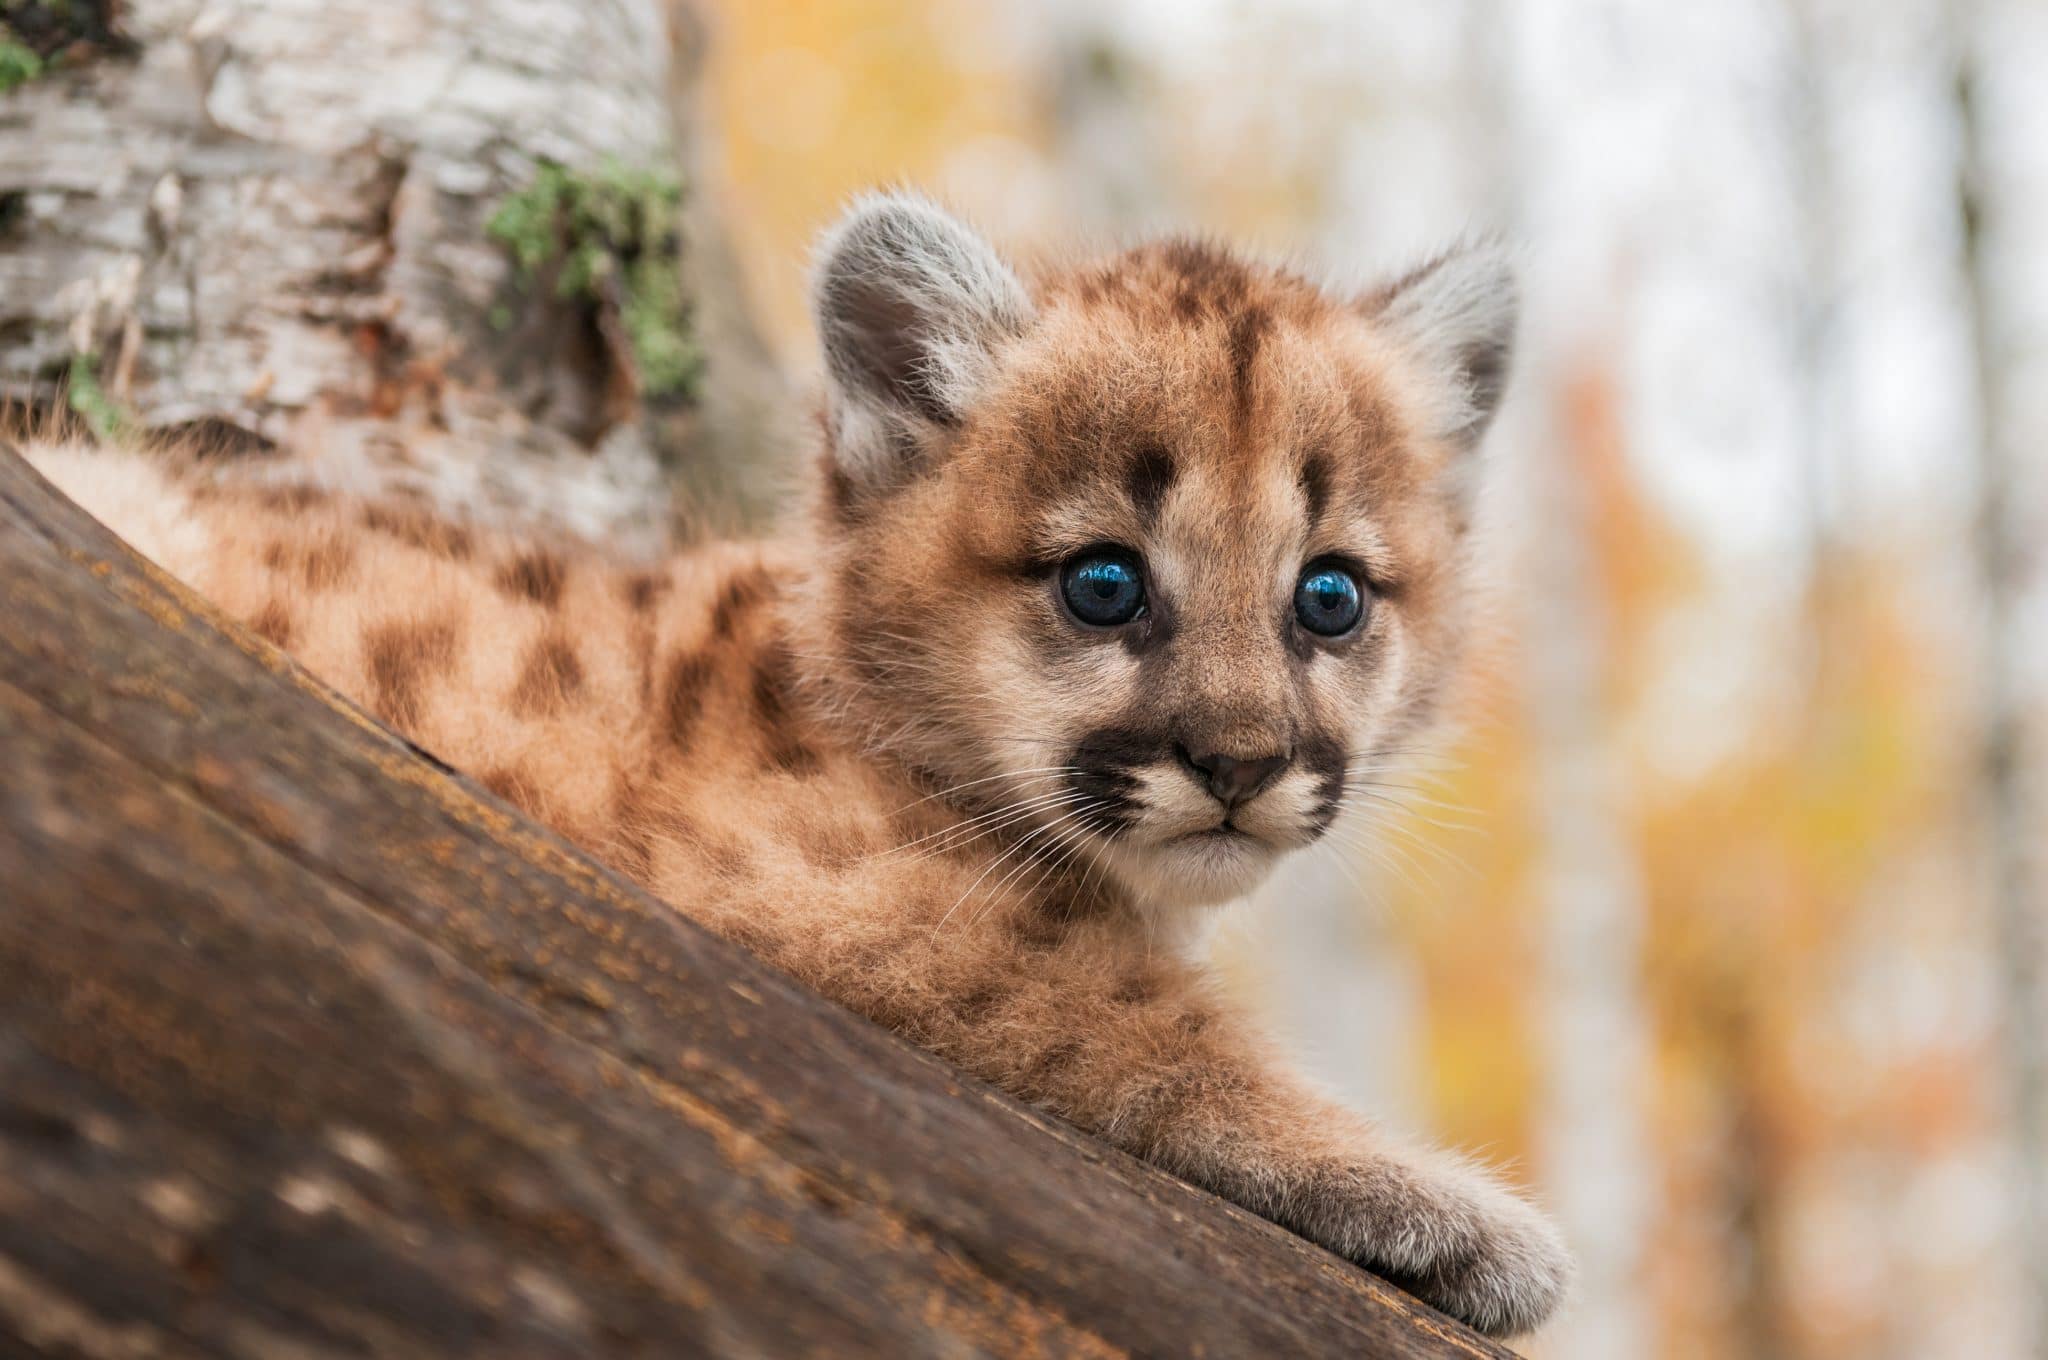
846 748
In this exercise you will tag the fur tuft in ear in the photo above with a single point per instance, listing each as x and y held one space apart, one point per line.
912 307
1456 315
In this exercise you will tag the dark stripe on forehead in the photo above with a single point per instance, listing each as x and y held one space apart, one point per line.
1148 476
1207 268
1247 331
1205 280
1315 484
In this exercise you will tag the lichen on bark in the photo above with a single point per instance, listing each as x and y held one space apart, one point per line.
39 36
86 399
18 64
611 239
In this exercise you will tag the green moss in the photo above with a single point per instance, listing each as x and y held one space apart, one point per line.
612 238
18 65
89 401
59 33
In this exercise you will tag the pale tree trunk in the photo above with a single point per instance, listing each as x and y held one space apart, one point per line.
1598 1170
1815 304
1596 1162
2011 825
1753 1190
272 219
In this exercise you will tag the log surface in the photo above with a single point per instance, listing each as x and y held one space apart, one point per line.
310 1047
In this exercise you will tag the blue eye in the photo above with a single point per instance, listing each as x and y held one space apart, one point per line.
1328 600
1103 588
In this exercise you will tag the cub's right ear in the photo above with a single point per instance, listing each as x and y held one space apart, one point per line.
912 309
1456 315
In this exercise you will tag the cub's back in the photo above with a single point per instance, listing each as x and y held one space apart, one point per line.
564 680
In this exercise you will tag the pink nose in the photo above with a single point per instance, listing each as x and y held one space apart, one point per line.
1232 780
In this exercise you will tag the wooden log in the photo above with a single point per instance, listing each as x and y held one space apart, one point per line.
310 1047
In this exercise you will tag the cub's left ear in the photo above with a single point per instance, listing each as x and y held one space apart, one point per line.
1456 317
912 308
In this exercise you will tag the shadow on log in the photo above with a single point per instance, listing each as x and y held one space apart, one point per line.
309 1047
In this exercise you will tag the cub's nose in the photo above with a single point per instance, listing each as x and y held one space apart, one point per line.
1231 779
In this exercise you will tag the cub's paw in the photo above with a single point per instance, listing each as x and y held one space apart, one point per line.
1451 1235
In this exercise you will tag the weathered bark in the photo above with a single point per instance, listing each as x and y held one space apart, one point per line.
309 1047
2010 821
273 208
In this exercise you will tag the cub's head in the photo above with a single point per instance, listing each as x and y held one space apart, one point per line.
1153 559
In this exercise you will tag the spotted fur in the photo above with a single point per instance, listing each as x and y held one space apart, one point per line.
877 751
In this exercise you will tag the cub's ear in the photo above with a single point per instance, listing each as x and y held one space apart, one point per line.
1456 317
912 308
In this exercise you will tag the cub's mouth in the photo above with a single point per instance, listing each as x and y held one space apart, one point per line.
1222 833
1202 867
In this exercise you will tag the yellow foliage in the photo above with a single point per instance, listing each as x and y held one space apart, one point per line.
816 100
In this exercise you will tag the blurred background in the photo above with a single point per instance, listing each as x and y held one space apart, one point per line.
1720 917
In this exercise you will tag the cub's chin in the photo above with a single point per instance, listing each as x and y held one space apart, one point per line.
1199 869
